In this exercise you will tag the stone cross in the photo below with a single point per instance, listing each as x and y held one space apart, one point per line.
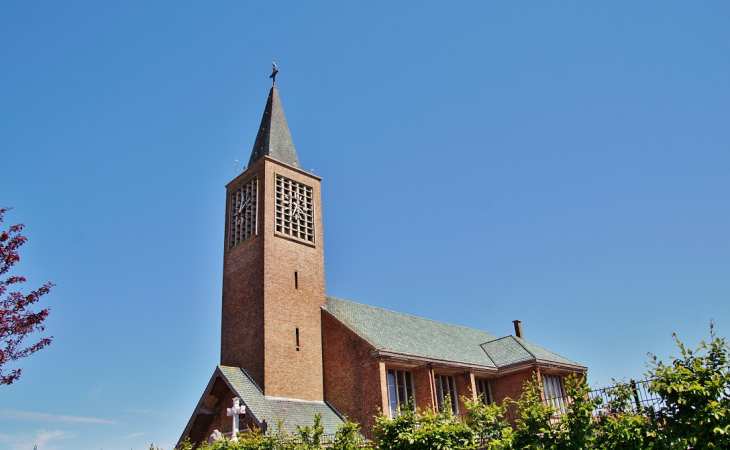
237 409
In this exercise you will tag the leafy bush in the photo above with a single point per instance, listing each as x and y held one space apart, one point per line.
488 423
576 429
694 414
427 429
533 428
696 393
348 437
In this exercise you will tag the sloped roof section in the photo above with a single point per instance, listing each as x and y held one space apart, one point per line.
274 139
411 335
291 412
415 336
511 350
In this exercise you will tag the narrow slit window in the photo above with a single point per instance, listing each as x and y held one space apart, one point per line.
296 280
297 333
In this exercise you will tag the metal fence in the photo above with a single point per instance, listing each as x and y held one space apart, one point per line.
633 396
325 440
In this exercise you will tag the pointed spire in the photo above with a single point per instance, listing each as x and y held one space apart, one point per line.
274 139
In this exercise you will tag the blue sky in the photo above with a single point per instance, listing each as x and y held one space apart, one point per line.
562 163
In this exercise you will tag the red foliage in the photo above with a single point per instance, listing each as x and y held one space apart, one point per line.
16 320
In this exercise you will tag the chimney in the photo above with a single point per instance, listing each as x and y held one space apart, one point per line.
518 328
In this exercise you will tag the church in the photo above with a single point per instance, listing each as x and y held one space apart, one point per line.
289 352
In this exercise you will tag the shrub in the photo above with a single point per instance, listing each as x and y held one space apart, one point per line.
428 429
696 392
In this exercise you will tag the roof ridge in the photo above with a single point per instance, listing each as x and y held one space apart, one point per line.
487 353
410 315
549 351
523 346
498 339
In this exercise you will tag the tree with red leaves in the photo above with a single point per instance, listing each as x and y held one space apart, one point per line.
17 321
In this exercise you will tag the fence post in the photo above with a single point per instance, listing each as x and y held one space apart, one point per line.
635 392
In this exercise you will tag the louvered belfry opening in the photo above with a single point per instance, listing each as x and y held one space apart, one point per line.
294 209
244 203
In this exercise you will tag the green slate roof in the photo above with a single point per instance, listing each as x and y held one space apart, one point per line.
272 410
274 138
415 336
511 350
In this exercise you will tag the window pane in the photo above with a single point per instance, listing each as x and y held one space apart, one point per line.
402 396
547 387
409 388
554 387
445 388
400 389
391 393
483 391
452 394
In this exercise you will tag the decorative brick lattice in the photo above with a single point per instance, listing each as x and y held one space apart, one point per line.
244 204
294 209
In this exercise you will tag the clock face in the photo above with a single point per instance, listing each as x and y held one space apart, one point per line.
242 209
294 209
243 213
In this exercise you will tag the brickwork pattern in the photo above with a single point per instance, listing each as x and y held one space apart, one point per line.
242 321
465 387
262 306
355 382
510 385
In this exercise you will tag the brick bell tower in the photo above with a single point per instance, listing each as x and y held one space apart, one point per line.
273 266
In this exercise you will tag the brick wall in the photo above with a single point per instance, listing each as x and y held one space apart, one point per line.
242 321
465 387
510 385
262 307
424 389
355 382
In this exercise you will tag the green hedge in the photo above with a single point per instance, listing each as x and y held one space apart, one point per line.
694 414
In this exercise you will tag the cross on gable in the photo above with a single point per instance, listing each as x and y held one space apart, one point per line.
235 412
238 408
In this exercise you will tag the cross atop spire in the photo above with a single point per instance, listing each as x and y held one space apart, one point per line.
274 139
274 72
